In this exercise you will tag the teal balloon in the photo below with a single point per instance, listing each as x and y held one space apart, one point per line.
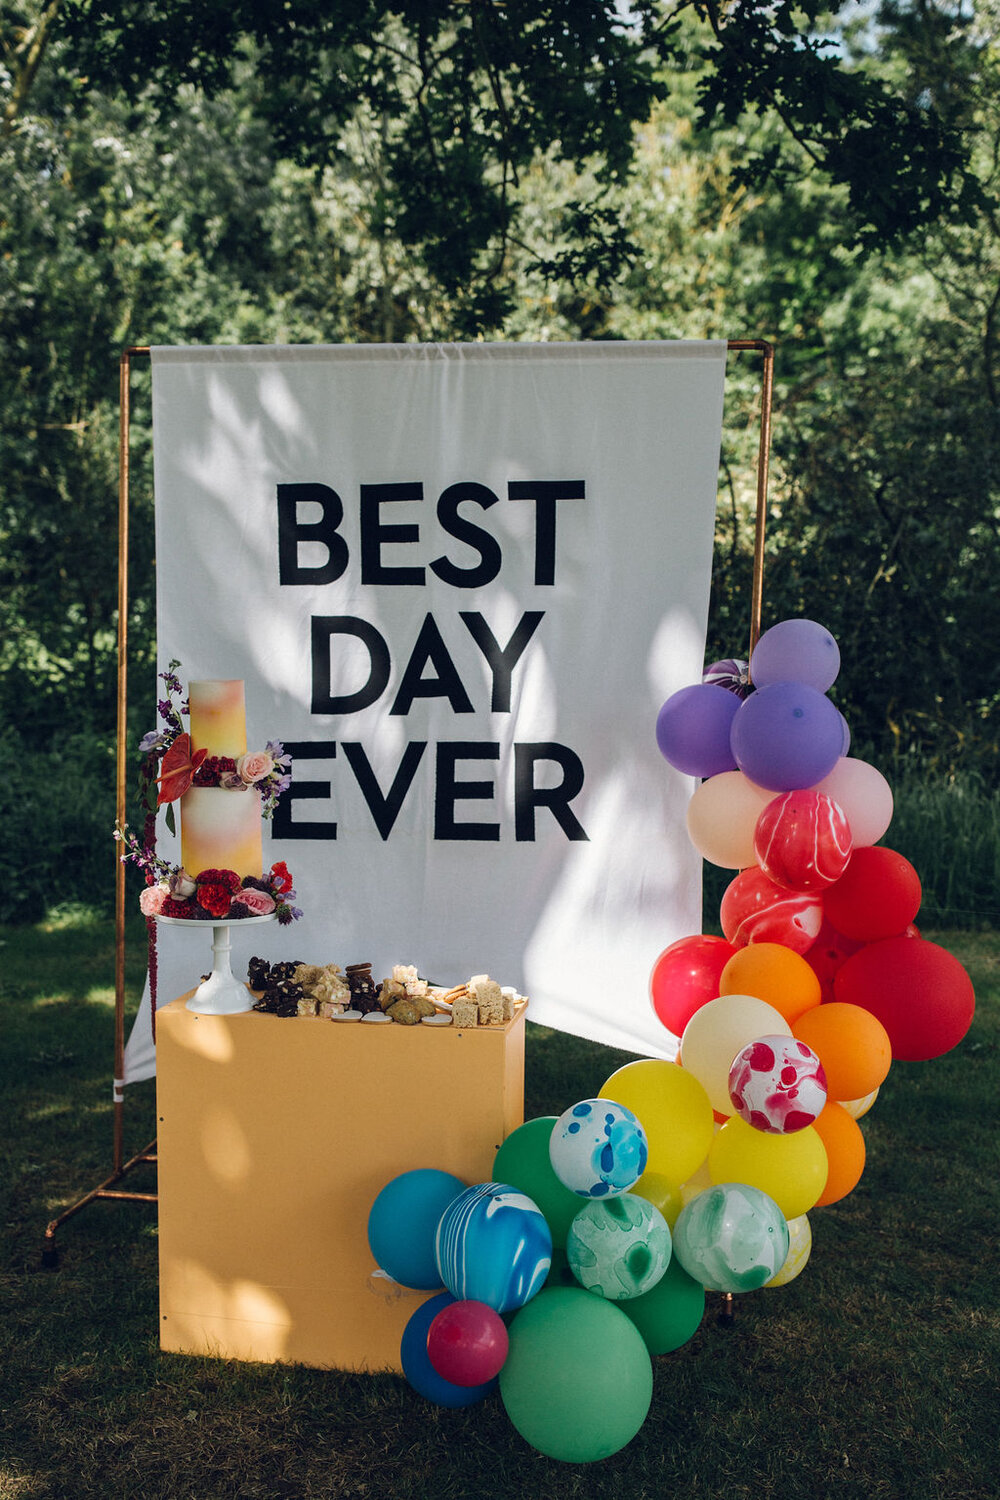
494 1246
671 1313
578 1381
618 1247
731 1238
523 1161
403 1221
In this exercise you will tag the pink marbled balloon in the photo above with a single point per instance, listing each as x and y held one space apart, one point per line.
777 1084
803 840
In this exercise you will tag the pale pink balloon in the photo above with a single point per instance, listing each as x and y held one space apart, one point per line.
865 796
722 816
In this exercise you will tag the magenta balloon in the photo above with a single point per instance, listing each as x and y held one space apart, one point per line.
787 736
796 651
692 729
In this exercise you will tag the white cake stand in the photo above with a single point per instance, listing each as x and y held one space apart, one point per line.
221 994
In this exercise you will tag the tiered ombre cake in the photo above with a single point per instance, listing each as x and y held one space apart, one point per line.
220 830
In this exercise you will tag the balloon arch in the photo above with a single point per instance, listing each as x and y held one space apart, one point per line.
602 1229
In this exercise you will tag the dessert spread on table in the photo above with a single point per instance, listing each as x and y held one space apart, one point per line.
325 990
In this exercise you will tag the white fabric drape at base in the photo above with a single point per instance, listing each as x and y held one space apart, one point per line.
459 581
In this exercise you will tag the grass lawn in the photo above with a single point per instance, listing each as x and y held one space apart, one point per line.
873 1375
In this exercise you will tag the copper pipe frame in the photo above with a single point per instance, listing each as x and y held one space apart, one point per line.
120 1168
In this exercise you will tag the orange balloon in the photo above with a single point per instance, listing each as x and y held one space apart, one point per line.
774 974
845 1152
852 1045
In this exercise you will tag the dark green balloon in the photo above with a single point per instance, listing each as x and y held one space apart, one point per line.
670 1312
523 1161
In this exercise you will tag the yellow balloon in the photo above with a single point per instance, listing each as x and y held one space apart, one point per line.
791 1169
714 1035
800 1240
662 1194
858 1107
672 1108
722 816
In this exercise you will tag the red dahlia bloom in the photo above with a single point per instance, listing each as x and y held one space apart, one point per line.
215 899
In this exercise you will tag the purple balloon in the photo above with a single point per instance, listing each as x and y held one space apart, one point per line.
796 651
692 729
787 736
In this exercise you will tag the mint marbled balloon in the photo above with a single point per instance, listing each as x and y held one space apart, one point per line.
619 1247
731 1238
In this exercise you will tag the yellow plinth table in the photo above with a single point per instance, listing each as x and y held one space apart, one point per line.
274 1137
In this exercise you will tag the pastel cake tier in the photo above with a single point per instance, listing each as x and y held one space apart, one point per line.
217 715
220 830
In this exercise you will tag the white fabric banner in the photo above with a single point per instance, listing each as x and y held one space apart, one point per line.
459 581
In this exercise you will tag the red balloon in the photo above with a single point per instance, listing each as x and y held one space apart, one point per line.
918 990
803 840
755 910
828 955
686 976
467 1343
877 896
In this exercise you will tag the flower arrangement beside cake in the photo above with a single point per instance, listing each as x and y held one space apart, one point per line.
223 792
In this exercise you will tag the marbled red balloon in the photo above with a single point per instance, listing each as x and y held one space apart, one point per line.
777 1084
803 840
755 909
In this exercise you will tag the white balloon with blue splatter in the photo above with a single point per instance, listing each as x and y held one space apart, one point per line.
598 1149
493 1245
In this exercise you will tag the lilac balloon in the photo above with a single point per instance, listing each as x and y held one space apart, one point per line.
796 651
692 729
787 736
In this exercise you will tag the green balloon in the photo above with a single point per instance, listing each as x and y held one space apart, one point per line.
671 1312
577 1382
523 1161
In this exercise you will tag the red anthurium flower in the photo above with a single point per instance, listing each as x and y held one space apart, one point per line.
177 769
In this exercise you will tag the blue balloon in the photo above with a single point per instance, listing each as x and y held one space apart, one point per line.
418 1369
494 1246
403 1221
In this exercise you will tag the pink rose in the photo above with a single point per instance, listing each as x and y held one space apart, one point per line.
257 903
153 899
254 766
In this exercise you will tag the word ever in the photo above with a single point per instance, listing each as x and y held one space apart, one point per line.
450 789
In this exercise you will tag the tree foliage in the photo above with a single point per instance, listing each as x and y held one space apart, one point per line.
571 169
469 93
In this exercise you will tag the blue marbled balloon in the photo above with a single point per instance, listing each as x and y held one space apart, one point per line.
493 1245
598 1149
